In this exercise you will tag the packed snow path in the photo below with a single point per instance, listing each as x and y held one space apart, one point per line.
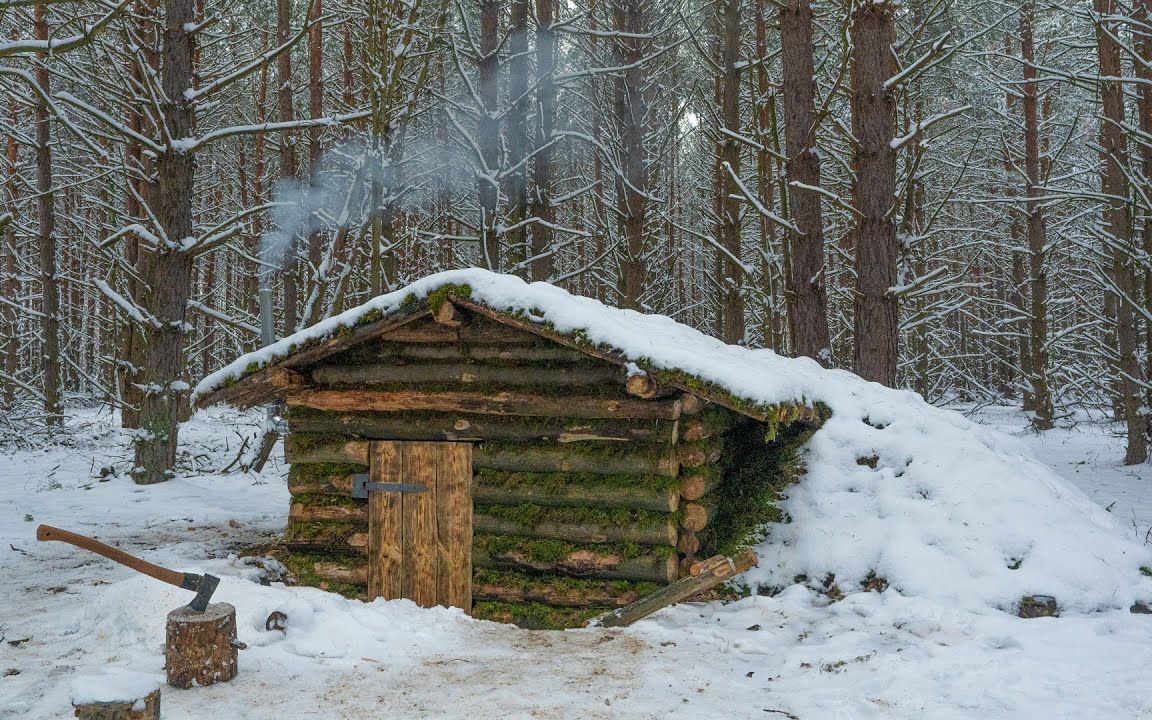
871 655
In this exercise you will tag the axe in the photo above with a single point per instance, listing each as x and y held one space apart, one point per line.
203 585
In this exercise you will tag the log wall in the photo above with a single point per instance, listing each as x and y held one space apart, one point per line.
585 495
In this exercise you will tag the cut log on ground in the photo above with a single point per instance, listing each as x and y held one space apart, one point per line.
500 403
705 575
142 708
201 648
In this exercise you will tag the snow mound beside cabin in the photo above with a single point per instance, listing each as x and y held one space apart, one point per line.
951 510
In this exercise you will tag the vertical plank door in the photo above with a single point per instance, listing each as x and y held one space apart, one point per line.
420 543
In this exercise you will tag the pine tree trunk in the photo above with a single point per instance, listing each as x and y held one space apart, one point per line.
315 150
46 238
289 170
728 221
545 115
1142 40
1118 226
875 328
168 270
631 103
9 318
807 298
516 138
488 134
1037 231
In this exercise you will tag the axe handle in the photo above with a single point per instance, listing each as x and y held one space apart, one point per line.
47 532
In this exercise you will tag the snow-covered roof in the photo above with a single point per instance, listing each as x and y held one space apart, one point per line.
934 503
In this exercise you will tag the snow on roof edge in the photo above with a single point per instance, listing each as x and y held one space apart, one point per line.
600 324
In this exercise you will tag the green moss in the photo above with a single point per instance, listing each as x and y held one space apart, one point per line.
525 582
589 449
1145 570
304 442
530 516
534 616
506 479
437 297
302 566
329 531
319 471
546 550
755 473
308 500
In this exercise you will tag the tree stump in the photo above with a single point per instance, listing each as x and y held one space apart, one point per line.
201 648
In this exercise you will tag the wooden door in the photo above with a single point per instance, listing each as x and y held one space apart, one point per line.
420 543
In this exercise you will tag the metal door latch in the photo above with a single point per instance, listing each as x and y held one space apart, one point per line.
362 485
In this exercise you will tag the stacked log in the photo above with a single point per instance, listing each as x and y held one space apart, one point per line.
586 496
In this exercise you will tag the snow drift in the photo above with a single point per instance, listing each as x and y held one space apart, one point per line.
940 507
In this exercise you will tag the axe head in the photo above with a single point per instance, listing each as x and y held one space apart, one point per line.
204 585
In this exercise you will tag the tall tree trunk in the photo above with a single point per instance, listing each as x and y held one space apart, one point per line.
140 194
46 237
765 112
1118 227
516 136
540 202
167 269
10 287
728 221
488 134
875 329
1037 230
631 104
315 111
1142 36
289 168
807 298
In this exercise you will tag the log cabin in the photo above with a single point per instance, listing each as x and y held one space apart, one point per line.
456 448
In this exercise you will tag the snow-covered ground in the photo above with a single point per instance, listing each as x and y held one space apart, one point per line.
66 614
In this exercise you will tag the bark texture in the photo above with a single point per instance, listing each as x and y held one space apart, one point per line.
807 299
875 327
201 648
1119 244
1037 231
50 384
167 271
